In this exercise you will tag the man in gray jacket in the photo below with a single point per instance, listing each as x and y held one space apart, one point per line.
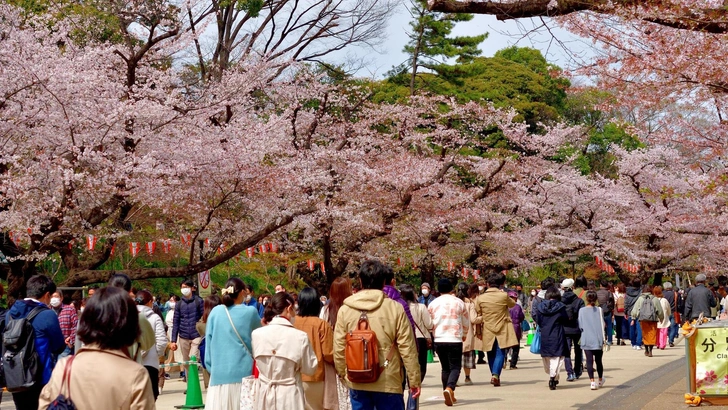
699 300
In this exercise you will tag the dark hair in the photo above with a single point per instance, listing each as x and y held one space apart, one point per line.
580 282
60 293
209 303
39 285
237 284
110 319
647 288
636 283
496 280
143 297
547 283
462 292
621 288
604 283
277 305
340 289
473 291
552 293
189 283
309 303
119 280
388 274
408 292
444 286
591 297
372 273
249 288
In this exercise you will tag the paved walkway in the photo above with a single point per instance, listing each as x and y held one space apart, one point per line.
633 381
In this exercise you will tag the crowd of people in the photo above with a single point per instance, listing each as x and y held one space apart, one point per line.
290 351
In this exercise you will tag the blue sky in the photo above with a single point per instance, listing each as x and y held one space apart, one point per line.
502 34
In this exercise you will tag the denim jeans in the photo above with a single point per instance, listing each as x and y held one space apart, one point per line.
451 361
577 366
673 329
496 358
635 332
370 400
608 323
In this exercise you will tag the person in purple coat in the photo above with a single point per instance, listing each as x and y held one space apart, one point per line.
517 317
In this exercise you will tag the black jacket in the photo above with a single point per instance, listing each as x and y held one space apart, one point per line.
573 304
605 300
632 295
550 315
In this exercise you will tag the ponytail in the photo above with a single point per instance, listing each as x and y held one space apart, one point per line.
277 305
231 291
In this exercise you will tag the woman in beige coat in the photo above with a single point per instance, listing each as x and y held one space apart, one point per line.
102 376
498 332
472 293
281 354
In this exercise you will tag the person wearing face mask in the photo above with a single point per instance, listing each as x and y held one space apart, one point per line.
250 300
68 319
187 312
427 295
282 353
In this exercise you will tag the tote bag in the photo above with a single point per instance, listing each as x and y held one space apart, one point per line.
536 344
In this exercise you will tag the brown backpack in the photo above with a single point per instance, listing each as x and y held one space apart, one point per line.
362 353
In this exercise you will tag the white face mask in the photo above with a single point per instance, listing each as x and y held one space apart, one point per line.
186 291
247 298
81 309
171 305
425 292
480 288
55 302
533 293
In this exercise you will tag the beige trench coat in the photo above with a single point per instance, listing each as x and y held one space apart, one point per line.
102 379
282 353
475 321
492 307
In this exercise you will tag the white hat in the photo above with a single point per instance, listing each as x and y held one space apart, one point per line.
567 284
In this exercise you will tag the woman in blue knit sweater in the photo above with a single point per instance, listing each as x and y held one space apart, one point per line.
591 323
228 346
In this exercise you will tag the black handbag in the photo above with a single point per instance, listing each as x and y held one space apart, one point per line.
64 402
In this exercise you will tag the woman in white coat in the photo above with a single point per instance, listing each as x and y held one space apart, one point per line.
150 358
281 354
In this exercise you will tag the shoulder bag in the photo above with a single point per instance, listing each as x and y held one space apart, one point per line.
62 402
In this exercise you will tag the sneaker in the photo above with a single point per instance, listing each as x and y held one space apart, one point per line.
468 382
600 383
634 347
481 362
495 381
513 367
593 385
570 377
447 393
167 376
552 384
672 344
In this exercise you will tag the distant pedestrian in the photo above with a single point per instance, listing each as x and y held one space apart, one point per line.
498 332
427 295
635 330
187 312
573 304
648 311
672 298
663 326
517 317
699 300
201 326
68 319
450 323
621 324
340 290
591 324
150 358
550 315
423 330
605 300
251 300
